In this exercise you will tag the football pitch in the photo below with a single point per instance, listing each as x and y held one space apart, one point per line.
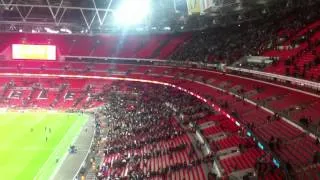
33 144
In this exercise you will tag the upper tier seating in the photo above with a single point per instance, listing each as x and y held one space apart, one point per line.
130 46
230 43
300 54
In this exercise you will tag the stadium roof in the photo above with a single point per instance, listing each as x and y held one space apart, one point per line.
75 16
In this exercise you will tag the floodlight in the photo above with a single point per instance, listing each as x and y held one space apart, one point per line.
49 30
66 30
132 12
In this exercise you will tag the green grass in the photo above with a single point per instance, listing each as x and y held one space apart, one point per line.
25 154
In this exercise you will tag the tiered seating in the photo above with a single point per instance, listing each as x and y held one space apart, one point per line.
277 175
265 96
244 161
129 49
212 130
193 173
278 129
169 48
303 31
262 128
298 61
160 161
299 157
290 100
310 173
84 50
209 118
55 99
281 129
149 48
258 117
307 58
129 46
228 142
267 91
311 111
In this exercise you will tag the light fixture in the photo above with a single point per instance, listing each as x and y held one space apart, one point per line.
49 30
132 12
66 30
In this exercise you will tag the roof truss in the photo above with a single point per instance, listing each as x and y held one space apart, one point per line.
56 13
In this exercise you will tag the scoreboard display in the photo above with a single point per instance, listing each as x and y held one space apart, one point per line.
33 52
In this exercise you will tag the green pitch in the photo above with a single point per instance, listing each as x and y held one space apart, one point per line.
28 149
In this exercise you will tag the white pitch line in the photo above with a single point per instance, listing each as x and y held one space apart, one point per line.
87 154
53 153
66 153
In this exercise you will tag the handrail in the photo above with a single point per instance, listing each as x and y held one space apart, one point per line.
114 58
135 60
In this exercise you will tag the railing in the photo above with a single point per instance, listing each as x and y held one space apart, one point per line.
111 58
280 78
139 61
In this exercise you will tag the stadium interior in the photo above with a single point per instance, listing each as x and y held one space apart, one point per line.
170 89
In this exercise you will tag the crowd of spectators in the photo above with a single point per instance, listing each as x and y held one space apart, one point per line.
228 44
137 116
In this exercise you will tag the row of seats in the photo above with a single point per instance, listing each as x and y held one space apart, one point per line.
161 161
310 173
298 61
283 97
231 141
219 78
31 96
232 162
278 129
244 161
287 133
129 46
267 91
210 118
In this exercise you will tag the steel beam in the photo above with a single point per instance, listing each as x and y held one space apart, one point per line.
54 6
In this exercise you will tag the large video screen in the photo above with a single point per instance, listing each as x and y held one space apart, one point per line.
33 52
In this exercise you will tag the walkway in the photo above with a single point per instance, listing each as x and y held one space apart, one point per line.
72 163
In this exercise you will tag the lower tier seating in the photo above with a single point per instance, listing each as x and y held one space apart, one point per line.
243 161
